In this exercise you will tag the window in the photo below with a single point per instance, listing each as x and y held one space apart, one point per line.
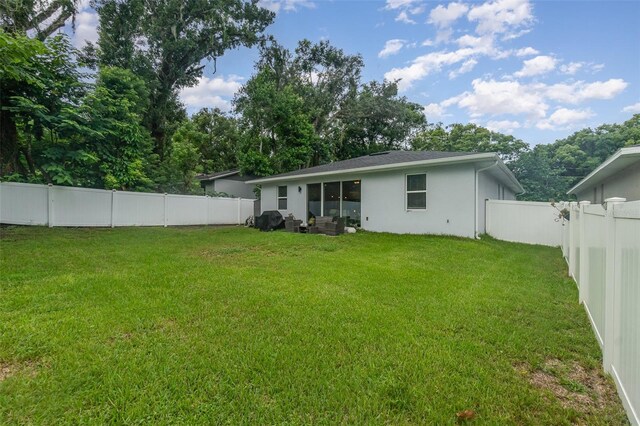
331 205
282 198
314 200
350 208
417 192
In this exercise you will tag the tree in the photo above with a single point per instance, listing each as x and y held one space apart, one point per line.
219 141
41 18
121 143
468 138
540 179
278 135
166 43
41 124
184 161
376 119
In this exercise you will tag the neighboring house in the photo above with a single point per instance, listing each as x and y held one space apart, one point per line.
414 192
618 176
229 182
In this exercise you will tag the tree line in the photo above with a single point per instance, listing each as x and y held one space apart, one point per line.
109 115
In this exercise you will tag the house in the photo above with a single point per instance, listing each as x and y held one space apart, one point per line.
417 192
618 176
229 182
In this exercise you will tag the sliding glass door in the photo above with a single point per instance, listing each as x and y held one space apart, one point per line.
314 200
350 209
331 199
335 199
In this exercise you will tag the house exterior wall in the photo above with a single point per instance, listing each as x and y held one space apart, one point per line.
489 188
625 183
235 188
450 200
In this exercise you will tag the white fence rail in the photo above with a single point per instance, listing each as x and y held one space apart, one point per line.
602 247
523 222
28 204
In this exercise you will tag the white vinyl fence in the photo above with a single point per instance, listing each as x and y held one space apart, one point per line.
602 247
28 204
524 222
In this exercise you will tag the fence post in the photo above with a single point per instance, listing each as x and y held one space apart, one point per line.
608 351
206 197
165 210
572 231
583 273
113 207
239 208
50 205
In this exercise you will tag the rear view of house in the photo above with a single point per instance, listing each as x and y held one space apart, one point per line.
413 192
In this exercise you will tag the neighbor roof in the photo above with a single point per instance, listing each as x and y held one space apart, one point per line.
392 160
218 175
622 159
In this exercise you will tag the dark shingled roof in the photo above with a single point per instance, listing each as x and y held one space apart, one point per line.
377 159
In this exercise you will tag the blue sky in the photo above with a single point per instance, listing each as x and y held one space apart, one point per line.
537 70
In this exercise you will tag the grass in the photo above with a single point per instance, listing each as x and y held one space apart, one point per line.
234 326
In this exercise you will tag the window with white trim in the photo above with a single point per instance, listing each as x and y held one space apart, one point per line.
416 191
282 197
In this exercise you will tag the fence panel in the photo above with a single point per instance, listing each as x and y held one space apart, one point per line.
186 210
626 307
28 204
593 274
24 204
138 209
81 206
524 222
225 210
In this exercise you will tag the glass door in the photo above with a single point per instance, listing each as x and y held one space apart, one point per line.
314 200
331 205
350 209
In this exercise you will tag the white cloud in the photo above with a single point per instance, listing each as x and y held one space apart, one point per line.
564 118
503 126
571 68
526 51
86 28
466 67
501 16
425 65
286 5
634 109
391 47
405 8
490 97
536 66
211 92
443 16
404 17
434 111
581 91
398 4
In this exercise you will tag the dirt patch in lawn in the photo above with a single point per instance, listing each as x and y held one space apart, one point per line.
585 390
10 369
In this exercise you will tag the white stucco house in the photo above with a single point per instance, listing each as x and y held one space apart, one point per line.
617 176
229 182
416 192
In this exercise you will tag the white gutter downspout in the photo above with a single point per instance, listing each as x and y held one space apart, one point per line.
477 185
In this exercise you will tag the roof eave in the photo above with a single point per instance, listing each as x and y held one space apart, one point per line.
384 167
588 180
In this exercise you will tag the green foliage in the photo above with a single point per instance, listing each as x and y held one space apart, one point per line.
116 108
549 171
39 17
468 138
185 159
218 139
376 119
307 108
166 42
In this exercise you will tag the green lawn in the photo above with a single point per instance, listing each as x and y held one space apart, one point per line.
231 325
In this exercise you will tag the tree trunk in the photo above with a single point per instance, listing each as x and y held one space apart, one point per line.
8 143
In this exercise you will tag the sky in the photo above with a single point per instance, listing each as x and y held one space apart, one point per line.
539 70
